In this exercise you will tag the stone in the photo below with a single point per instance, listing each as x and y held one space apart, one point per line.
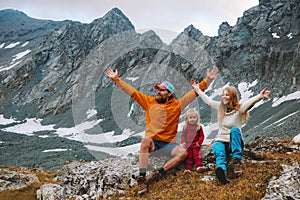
287 186
15 180
50 192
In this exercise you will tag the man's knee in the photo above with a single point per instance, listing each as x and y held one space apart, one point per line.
146 143
181 153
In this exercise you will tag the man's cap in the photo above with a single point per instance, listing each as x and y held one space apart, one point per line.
166 86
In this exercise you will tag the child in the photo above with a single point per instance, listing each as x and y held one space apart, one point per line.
192 137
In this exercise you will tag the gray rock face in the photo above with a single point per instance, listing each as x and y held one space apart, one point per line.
15 180
49 191
97 179
267 144
61 76
91 180
287 186
258 45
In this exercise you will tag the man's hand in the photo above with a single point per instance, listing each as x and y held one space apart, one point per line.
212 74
111 73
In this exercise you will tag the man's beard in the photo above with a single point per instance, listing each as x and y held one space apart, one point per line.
161 100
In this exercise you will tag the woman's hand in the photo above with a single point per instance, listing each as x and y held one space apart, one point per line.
111 73
212 74
265 93
194 84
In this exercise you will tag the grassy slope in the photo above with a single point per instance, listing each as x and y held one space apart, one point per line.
251 186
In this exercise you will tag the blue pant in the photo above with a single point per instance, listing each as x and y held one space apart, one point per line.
234 149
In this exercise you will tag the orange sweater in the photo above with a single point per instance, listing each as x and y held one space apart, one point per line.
161 119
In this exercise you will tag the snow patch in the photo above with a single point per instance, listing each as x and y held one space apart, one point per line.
56 150
281 120
297 138
23 45
4 121
29 127
9 67
120 151
275 35
90 113
290 35
12 45
130 111
132 78
21 55
292 96
244 90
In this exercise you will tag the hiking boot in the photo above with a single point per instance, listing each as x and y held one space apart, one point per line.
201 169
142 185
237 168
230 174
155 176
221 176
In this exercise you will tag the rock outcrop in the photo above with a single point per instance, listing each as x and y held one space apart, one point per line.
286 186
102 178
55 70
11 180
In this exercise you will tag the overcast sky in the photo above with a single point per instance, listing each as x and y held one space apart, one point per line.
205 15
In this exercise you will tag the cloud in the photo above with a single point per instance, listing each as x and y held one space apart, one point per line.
167 14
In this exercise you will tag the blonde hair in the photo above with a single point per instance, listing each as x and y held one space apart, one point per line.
190 112
233 103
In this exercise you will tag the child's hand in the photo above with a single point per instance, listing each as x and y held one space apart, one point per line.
197 144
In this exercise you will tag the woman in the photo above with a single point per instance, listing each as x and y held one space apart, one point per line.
231 116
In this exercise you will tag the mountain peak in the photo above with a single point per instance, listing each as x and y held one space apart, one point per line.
191 31
10 14
115 17
116 11
17 22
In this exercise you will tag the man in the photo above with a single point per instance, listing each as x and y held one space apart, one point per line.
162 118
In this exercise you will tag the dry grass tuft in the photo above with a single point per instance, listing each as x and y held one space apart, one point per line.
251 186
29 192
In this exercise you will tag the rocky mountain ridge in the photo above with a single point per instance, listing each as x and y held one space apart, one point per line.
54 70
